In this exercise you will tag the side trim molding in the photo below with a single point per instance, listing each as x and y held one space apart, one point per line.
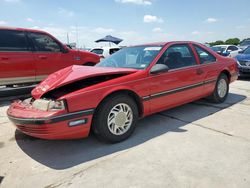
180 89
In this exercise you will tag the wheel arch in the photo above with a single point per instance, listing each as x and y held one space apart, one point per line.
128 92
227 73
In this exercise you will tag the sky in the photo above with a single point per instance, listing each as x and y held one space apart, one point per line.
135 21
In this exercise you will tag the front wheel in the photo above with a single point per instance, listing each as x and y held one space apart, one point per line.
115 119
221 89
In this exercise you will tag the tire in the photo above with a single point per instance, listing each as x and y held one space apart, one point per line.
122 112
89 64
220 92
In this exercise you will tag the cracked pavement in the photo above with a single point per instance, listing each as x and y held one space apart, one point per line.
199 144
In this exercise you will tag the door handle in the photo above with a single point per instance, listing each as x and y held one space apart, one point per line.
5 58
199 71
42 57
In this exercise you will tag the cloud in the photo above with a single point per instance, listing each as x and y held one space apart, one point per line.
65 12
150 19
157 30
137 2
195 33
102 30
30 20
2 22
211 20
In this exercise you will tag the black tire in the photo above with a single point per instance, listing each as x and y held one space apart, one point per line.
89 64
100 124
215 97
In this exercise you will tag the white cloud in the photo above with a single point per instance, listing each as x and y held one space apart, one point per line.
137 2
2 22
157 30
102 30
65 12
30 20
195 33
151 18
211 20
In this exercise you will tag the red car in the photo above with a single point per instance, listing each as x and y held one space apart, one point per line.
28 56
132 83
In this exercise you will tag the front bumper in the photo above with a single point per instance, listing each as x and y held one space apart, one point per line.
244 70
50 125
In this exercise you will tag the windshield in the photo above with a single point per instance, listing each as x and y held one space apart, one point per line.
245 43
247 51
97 51
218 48
138 57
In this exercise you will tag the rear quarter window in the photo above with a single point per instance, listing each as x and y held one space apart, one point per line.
204 56
11 40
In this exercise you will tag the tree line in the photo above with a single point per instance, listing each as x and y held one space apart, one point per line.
234 41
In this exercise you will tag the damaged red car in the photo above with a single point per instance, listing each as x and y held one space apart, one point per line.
133 83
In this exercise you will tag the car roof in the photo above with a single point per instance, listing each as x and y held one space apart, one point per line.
224 45
165 43
22 29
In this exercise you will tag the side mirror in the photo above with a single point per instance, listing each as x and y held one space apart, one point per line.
159 68
65 49
240 51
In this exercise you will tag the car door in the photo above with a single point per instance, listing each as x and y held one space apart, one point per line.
208 65
181 84
49 55
16 58
233 51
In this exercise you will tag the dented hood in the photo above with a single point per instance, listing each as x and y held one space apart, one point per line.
74 73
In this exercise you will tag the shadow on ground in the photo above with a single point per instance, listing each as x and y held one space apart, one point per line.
68 153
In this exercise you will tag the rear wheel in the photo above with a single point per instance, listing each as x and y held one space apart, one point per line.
115 119
221 89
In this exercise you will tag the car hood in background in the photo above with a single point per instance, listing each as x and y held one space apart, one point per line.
72 74
243 57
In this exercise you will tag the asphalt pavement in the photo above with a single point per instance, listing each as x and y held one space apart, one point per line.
199 144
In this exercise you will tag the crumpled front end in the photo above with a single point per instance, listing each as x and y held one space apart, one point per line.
45 123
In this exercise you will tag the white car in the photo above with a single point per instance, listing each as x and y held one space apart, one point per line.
106 51
227 50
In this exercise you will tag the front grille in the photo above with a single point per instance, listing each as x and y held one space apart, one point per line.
245 63
34 130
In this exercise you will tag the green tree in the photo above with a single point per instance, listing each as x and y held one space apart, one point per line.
234 41
218 42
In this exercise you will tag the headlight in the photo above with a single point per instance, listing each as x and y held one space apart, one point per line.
56 105
46 105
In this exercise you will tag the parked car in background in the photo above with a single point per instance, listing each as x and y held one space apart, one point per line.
29 56
132 83
226 50
106 51
244 44
244 62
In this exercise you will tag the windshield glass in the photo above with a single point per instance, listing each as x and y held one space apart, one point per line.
247 51
138 57
245 43
97 51
218 48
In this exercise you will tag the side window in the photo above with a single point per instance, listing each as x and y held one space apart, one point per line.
177 56
11 40
44 43
113 50
205 56
232 48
